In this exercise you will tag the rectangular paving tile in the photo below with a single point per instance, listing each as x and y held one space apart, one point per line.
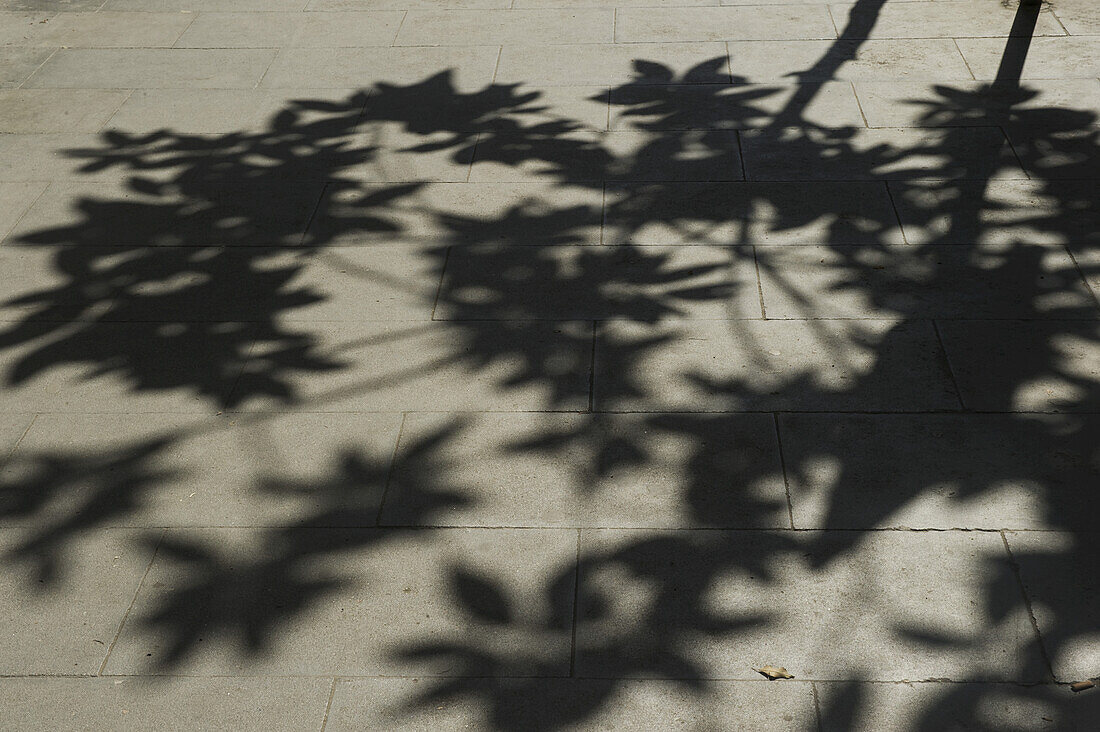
331 5
999 213
15 198
308 30
836 605
432 595
91 213
20 27
57 110
582 470
750 212
492 27
960 104
902 153
222 111
1060 147
650 63
976 471
1055 568
102 367
936 282
390 153
900 707
138 68
133 703
196 5
1024 366
411 365
35 285
620 155
12 429
109 30
433 215
62 607
1066 57
783 22
608 3
1080 17
472 66
941 20
51 156
48 6
907 59
595 283
569 704
739 365
16 64
724 107
364 283
1087 257
97 471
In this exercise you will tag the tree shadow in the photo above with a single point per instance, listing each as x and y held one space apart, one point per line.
938 247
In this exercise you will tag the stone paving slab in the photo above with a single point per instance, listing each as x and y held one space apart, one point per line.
294 30
1079 17
215 111
409 704
706 107
1070 57
63 604
386 608
472 27
716 366
1014 213
411 365
780 23
775 596
302 68
15 198
897 707
54 110
107 30
880 154
941 19
761 212
435 214
946 282
135 703
1033 366
570 65
526 364
508 470
178 470
1055 571
596 283
112 213
140 68
917 103
933 59
16 64
932 471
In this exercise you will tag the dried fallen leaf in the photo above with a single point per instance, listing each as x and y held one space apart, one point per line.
773 672
1082 685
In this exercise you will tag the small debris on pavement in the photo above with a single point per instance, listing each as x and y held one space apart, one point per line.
1082 685
773 672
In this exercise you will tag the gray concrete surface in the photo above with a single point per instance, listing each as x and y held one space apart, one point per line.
549 364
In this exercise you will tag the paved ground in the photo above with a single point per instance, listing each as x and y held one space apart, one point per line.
549 364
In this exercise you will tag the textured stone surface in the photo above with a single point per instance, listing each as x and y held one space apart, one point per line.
548 364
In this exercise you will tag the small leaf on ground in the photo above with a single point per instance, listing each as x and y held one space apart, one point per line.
773 672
